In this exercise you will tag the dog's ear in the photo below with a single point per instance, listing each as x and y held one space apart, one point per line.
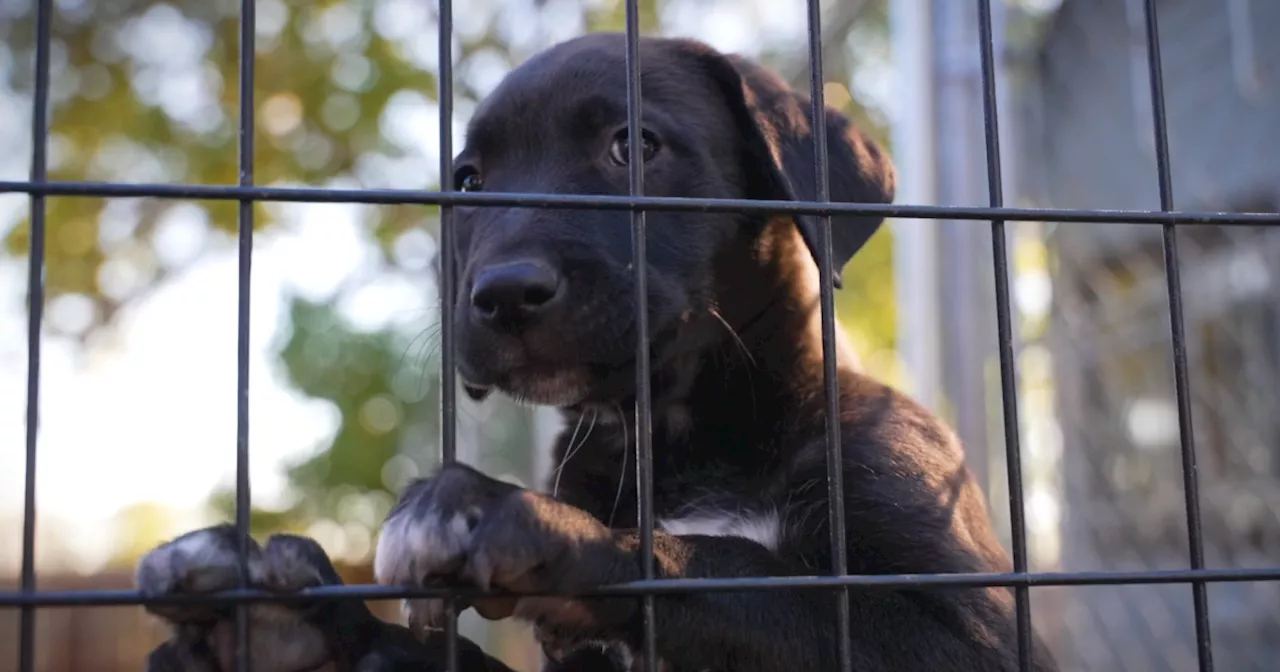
778 156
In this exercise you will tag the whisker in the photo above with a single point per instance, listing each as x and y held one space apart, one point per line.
568 453
430 346
732 332
743 347
622 473
425 334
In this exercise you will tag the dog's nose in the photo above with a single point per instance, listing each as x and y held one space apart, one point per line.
512 293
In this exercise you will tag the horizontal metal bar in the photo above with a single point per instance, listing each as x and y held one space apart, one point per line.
72 598
648 203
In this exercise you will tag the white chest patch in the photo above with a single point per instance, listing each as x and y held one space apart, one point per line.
764 529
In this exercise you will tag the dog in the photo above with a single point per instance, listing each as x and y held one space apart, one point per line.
545 314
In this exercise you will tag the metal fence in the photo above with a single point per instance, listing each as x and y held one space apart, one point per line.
1123 505
1196 575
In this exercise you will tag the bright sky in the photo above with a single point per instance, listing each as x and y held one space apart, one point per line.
153 419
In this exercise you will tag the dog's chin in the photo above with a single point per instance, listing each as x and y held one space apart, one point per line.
559 387
535 376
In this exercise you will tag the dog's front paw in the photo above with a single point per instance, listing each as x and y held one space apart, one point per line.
429 530
465 526
196 563
282 637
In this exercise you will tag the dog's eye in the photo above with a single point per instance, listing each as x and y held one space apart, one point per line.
468 179
619 151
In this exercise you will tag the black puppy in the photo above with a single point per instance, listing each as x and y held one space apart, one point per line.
545 314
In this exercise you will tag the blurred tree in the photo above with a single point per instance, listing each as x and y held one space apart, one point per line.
383 386
146 91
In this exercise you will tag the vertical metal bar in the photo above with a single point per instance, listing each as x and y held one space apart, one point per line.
448 284
245 239
1182 385
830 376
35 316
1004 326
644 414
448 373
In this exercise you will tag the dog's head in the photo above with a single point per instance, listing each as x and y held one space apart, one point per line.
546 298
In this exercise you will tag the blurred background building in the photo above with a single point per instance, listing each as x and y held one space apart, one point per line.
138 412
1088 142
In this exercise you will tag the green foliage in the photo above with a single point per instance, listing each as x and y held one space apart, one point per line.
383 386
379 385
866 305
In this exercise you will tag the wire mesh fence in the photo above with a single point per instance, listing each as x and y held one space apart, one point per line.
1124 510
1120 497
1209 517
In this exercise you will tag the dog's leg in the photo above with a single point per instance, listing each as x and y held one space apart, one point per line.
463 525
308 636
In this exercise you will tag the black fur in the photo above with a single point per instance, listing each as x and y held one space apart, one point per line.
545 314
